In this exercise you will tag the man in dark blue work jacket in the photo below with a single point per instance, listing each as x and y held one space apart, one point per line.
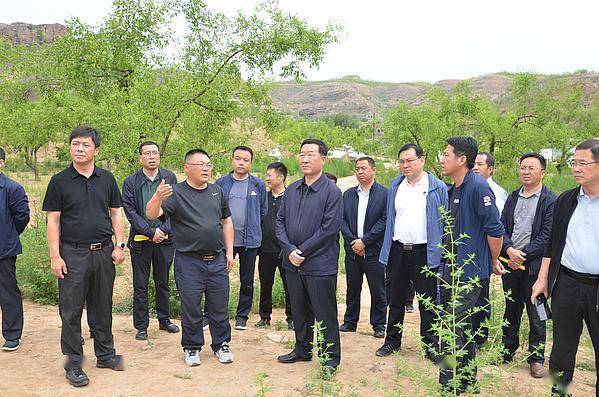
14 217
308 225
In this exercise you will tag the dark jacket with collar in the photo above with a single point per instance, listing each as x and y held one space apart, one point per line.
564 208
478 218
256 208
541 228
14 216
133 205
311 224
374 222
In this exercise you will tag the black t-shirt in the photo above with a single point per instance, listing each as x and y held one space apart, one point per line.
196 217
454 209
270 243
84 204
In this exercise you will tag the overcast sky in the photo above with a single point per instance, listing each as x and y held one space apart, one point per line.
418 40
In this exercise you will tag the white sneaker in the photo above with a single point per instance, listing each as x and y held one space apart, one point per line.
224 354
192 357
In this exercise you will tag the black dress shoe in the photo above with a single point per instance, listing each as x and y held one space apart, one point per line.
115 363
76 377
141 334
386 350
347 328
168 326
293 357
379 333
290 326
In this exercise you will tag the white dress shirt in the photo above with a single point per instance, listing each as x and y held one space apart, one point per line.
362 205
410 212
500 194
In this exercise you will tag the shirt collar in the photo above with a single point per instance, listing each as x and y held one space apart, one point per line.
146 178
537 193
75 173
359 190
317 183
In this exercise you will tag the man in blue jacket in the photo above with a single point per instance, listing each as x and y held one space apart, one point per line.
472 208
14 217
527 218
150 241
308 225
248 202
412 236
363 228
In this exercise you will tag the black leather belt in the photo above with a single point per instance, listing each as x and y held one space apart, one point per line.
591 279
91 246
409 246
204 257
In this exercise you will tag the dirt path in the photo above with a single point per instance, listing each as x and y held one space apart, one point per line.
156 367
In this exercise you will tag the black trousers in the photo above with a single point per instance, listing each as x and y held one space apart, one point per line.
87 272
158 257
355 268
195 278
411 291
247 267
11 301
479 317
519 286
572 303
405 267
314 298
268 263
466 365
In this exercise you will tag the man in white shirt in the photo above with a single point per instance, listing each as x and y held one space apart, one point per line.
484 165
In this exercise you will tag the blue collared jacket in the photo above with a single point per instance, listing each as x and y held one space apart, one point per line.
14 216
257 206
436 197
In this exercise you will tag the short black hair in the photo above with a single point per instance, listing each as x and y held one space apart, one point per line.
464 146
84 131
592 145
331 177
245 149
367 158
537 156
148 143
279 167
2 154
323 149
408 146
489 158
195 151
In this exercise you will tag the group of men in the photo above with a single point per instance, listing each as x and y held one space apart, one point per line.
401 238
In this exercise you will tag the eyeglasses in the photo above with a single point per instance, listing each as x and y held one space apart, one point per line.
408 161
580 164
151 153
202 165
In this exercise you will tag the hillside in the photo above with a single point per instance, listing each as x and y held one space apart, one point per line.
350 94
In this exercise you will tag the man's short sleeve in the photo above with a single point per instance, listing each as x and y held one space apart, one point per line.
116 200
225 210
169 205
53 198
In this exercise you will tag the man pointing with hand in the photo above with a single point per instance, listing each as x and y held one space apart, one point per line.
202 229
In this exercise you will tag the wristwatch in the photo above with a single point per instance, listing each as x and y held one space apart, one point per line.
121 245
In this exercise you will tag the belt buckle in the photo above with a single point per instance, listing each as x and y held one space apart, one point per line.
95 246
408 247
208 258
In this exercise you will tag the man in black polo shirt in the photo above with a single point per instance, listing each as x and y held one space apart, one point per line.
83 207
150 242
308 225
202 228
270 250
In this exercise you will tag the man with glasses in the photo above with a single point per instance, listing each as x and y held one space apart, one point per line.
83 208
569 271
203 237
150 242
413 234
248 203
363 228
527 218
308 225
14 217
